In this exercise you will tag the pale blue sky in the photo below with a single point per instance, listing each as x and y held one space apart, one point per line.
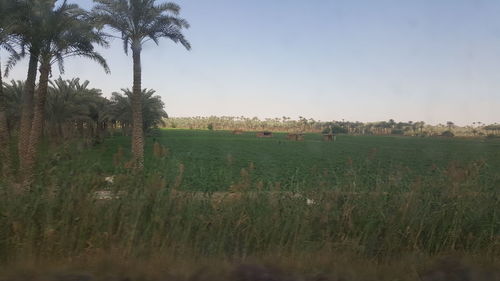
365 60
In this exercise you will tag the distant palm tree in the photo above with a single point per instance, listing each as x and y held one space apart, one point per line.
450 125
13 92
67 32
71 102
152 109
139 21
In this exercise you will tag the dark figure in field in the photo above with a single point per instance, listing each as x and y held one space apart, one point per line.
264 134
329 136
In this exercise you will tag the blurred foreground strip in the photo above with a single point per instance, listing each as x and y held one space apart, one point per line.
443 269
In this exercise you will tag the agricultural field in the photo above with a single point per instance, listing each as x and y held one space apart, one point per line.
215 161
213 198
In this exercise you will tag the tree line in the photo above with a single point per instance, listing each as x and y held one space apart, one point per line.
73 110
302 125
47 32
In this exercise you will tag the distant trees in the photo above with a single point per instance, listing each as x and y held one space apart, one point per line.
13 92
152 109
450 125
286 124
139 21
74 109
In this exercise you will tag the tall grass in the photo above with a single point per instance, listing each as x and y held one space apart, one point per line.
62 218
454 210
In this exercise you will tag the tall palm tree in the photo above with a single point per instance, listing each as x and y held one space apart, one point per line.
67 33
28 32
7 21
139 21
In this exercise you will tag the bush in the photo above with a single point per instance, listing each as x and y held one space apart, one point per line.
153 132
448 134
397 132
210 127
336 130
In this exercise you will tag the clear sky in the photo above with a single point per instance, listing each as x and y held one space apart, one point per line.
359 60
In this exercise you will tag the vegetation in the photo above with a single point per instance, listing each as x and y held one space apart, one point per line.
287 124
139 21
75 186
73 110
374 198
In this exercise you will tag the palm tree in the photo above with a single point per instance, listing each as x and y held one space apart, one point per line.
7 20
152 109
28 33
67 33
13 92
450 125
70 102
139 21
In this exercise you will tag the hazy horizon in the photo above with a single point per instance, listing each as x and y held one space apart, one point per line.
432 61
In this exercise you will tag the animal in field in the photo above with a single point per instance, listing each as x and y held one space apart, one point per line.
264 134
329 137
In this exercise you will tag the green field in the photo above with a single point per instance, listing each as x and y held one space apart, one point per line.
375 198
213 161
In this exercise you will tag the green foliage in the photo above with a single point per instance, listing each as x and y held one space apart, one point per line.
210 127
397 132
71 104
335 129
141 20
12 93
448 134
153 113
378 197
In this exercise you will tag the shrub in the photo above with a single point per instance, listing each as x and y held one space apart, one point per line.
210 127
448 134
335 129
397 132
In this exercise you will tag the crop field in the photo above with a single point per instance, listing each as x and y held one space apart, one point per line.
375 198
213 161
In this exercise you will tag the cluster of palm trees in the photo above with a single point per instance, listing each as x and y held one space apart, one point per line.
48 32
73 110
302 124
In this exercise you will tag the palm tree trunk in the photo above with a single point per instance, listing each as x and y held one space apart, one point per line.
137 130
27 110
4 134
37 125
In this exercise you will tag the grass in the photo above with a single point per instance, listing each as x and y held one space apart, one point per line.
213 160
375 198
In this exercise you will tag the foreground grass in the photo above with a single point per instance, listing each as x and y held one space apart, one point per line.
375 199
